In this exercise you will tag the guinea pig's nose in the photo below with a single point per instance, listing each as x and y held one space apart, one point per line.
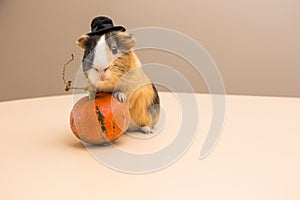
105 74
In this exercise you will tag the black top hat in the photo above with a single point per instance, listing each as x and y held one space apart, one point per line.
101 25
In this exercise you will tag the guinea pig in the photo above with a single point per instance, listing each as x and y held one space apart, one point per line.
110 65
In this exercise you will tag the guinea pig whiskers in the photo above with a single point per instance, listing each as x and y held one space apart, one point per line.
96 69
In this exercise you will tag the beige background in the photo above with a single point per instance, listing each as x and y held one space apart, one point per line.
255 43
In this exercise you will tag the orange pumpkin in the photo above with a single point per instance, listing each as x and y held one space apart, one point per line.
101 120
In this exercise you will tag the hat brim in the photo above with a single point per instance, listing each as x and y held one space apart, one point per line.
106 30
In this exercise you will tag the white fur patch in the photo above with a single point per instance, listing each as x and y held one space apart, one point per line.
100 58
93 76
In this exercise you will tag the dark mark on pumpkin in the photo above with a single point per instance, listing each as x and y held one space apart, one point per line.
114 128
100 119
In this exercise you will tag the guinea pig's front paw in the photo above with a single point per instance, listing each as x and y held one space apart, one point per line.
120 96
146 129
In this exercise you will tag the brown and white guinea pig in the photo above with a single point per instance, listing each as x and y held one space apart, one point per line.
110 65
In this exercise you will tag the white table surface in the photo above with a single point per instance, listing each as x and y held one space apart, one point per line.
257 157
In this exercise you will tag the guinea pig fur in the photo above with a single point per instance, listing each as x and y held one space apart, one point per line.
110 65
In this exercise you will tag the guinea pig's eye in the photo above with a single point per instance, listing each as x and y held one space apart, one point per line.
114 50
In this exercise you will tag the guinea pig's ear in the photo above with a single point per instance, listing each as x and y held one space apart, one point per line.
83 42
127 40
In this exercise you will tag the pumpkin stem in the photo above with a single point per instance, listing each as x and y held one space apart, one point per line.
68 84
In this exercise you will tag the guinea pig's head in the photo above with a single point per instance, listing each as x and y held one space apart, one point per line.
102 52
